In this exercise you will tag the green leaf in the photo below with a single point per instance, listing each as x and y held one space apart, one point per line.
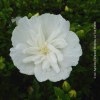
58 92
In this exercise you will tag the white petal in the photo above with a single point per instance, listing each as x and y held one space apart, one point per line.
31 50
17 57
73 50
53 62
55 67
32 58
51 75
56 51
40 61
45 65
72 39
70 59
59 43
54 25
36 24
23 21
64 74
38 72
40 39
24 32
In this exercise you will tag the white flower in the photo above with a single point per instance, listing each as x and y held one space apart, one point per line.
45 47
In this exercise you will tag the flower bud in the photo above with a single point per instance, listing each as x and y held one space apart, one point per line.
72 93
37 14
80 33
30 15
66 86
66 8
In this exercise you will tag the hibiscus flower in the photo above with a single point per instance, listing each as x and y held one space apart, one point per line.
45 47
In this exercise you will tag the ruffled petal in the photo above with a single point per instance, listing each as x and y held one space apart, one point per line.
46 65
53 62
31 58
25 31
59 43
56 51
64 74
51 75
72 39
73 50
18 56
54 26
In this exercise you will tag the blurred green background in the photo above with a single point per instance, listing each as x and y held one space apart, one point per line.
80 85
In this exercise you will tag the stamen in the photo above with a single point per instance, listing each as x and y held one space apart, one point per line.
44 50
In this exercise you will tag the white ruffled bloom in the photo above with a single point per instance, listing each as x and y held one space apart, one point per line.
45 47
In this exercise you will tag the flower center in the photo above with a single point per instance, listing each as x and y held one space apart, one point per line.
44 50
